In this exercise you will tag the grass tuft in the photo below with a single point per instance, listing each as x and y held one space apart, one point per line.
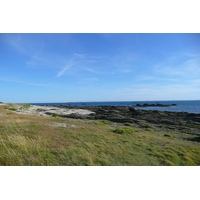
123 131
13 109
128 124
103 122
167 135
25 106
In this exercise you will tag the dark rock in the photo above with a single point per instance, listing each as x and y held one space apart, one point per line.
154 105
122 114
167 122
132 109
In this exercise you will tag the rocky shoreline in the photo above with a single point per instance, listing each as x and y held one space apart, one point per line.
188 123
184 122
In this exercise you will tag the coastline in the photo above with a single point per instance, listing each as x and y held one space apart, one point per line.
192 106
184 122
103 135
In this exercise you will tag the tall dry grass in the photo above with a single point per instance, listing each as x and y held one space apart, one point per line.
37 140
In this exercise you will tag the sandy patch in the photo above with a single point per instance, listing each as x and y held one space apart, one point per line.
44 110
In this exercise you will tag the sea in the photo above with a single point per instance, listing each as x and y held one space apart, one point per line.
191 106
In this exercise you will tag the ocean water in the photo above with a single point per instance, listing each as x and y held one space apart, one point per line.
192 106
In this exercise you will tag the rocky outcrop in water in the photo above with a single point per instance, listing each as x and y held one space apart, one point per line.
154 105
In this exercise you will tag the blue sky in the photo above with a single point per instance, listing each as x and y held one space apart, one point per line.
99 67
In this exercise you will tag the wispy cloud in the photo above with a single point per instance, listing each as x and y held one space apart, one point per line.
91 79
27 83
124 62
192 55
91 70
146 78
33 49
69 65
80 55
79 63
187 91
27 47
183 68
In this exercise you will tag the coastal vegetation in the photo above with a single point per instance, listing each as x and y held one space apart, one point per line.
25 106
30 140
127 124
14 109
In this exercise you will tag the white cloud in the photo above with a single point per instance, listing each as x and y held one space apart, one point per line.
91 70
158 92
146 77
80 55
28 47
192 65
69 65
187 68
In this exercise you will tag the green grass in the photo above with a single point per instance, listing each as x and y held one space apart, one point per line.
190 125
167 135
128 124
145 125
13 109
123 131
25 106
27 140
103 122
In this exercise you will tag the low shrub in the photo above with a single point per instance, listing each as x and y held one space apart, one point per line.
145 125
167 135
25 106
123 131
127 124
190 125
13 109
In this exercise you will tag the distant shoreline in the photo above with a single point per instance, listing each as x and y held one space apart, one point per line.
191 106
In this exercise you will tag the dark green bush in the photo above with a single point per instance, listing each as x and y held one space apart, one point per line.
127 124
167 135
196 139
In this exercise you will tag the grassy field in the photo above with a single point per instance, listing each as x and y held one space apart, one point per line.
54 141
